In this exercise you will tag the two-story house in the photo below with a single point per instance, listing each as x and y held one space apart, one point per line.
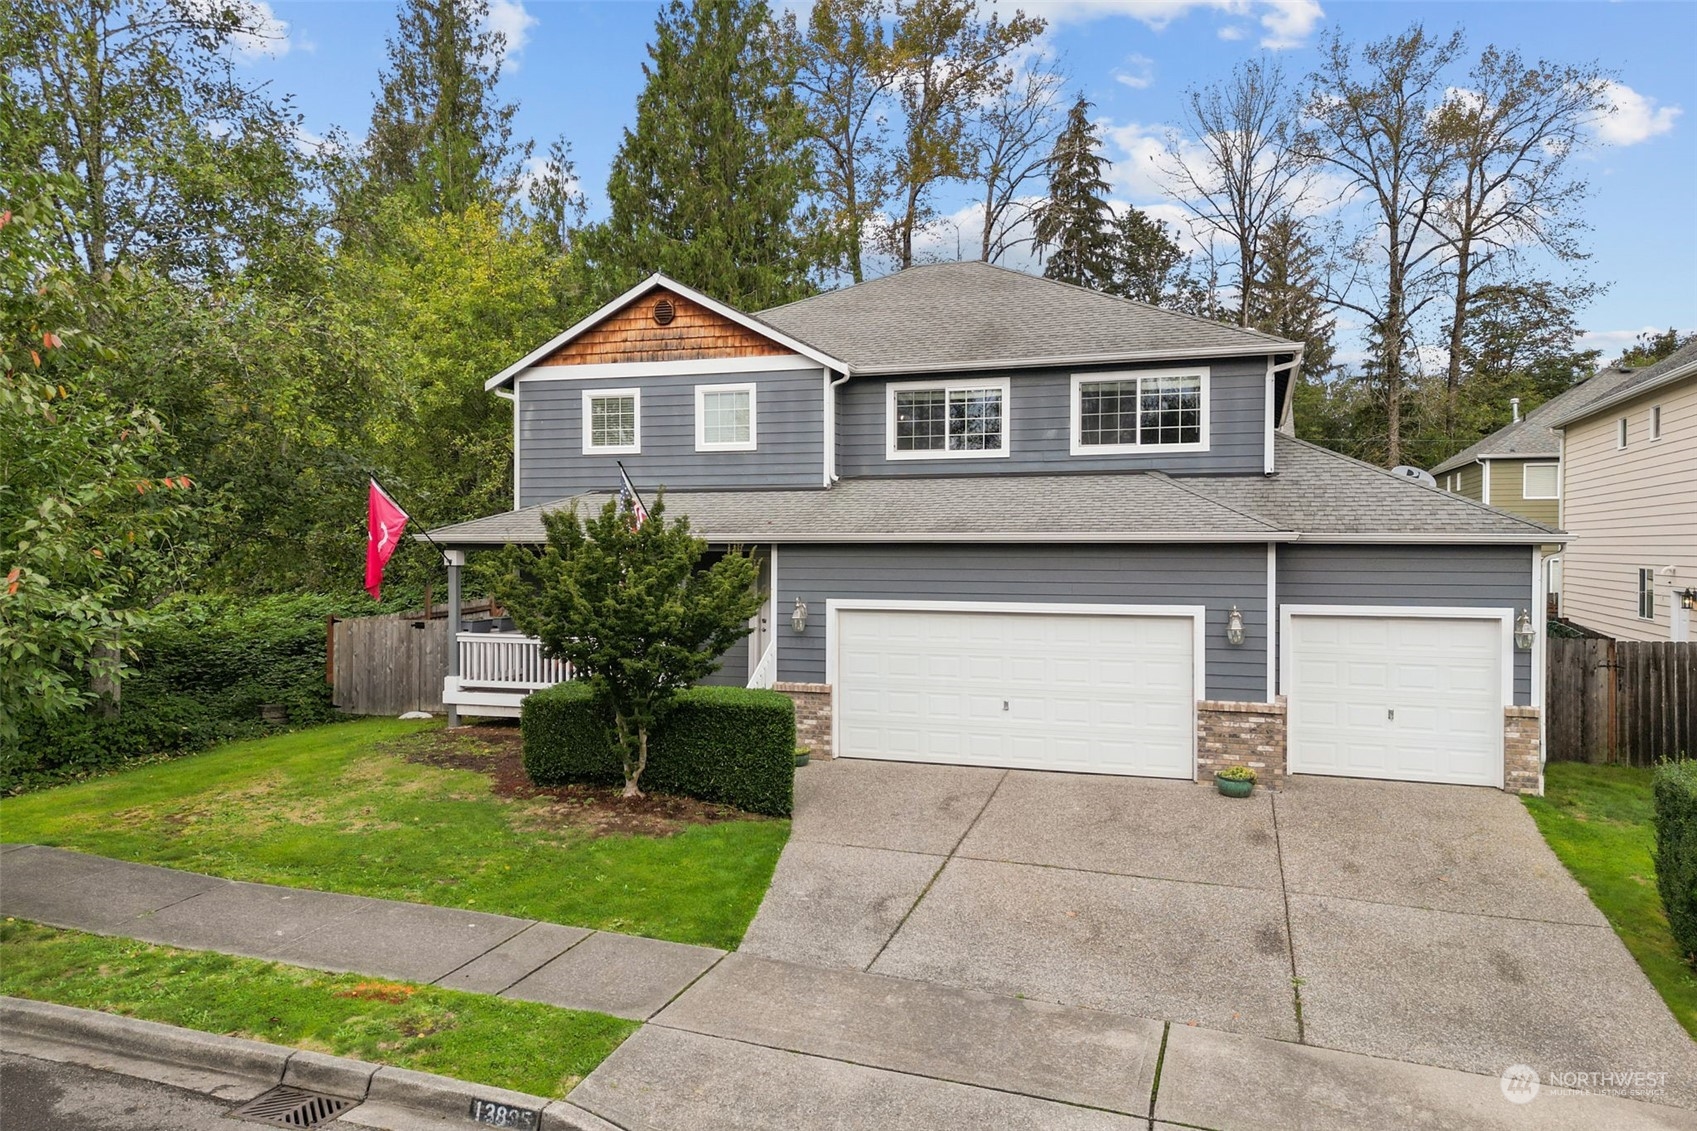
1629 501
1003 521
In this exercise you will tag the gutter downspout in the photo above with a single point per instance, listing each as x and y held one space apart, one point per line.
831 475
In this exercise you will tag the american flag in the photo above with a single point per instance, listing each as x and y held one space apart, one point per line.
631 501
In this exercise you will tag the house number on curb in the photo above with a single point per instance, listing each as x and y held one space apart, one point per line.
491 1114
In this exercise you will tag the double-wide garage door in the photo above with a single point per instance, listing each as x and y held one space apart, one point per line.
1091 692
1413 698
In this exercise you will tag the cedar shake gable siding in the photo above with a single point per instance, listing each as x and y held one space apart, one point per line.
631 334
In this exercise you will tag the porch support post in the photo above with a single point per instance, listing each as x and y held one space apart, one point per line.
454 560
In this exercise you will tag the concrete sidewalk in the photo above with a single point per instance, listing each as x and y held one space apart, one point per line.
623 975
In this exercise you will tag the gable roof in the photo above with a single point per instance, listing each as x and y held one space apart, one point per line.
658 281
950 316
1317 495
1534 434
1677 366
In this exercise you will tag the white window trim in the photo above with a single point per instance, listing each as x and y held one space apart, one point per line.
589 449
1079 380
701 443
1639 591
1526 494
1655 423
1000 384
1620 434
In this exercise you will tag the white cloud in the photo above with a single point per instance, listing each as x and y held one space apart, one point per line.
1635 117
1231 33
509 18
259 35
1139 72
1284 23
1289 23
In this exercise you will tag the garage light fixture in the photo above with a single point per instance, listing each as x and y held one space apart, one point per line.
1524 633
798 618
1234 627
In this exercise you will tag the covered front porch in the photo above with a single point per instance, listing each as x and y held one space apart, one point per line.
492 666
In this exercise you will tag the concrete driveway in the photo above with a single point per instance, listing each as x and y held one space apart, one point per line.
1428 924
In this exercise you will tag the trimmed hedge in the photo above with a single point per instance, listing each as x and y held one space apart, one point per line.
730 745
1676 850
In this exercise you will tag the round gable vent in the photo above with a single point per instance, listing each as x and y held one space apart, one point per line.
664 312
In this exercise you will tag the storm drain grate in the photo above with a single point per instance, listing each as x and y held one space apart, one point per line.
284 1106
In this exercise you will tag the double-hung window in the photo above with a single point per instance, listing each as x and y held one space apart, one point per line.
724 418
1646 594
1151 410
1539 480
947 420
612 421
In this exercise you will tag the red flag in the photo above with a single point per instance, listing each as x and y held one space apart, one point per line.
386 521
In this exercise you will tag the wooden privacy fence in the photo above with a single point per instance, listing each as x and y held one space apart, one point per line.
1624 701
390 664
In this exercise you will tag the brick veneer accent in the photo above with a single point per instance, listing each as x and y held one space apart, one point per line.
812 715
1241 734
1523 757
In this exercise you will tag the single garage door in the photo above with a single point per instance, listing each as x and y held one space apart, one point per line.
1107 694
1414 698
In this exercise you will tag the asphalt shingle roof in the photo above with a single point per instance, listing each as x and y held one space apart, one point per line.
1315 493
1641 380
1533 434
943 316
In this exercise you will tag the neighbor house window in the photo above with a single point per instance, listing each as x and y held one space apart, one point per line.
1538 480
1655 422
612 421
724 418
966 419
1620 433
1646 594
1130 412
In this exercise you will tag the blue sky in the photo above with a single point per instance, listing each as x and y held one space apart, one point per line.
575 68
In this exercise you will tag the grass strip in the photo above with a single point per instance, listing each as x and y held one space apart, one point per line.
478 1038
1599 822
335 808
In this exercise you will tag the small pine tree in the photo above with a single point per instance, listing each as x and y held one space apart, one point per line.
1071 226
628 605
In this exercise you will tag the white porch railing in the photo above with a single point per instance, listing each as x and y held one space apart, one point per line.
507 661
765 673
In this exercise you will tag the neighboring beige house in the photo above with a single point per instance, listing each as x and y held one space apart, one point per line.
1629 499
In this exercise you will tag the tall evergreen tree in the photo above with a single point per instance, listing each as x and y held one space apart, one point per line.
1071 226
438 135
1288 296
709 186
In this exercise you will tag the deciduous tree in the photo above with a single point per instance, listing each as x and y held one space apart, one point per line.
1012 135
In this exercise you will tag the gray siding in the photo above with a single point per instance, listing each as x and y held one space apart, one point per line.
789 428
1215 576
1471 576
1041 426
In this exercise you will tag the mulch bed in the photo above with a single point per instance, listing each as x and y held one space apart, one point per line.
496 750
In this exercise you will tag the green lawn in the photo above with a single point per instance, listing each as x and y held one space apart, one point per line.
336 808
474 1037
1598 821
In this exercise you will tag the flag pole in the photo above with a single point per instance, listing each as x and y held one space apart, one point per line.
410 520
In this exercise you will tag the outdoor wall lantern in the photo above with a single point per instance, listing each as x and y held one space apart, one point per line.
1524 633
1688 600
1234 627
798 618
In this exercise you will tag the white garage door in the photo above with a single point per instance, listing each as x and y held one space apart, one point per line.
1107 694
1412 698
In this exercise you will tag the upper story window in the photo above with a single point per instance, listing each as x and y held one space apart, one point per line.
1655 422
1165 410
1538 480
612 421
1646 594
1620 433
947 420
724 418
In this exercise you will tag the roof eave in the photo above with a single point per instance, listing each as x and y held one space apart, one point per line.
1623 395
1248 349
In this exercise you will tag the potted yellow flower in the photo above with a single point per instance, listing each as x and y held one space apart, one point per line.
1235 781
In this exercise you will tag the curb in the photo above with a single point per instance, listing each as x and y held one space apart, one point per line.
214 1065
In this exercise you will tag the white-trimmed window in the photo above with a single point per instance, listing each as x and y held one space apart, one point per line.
724 418
1620 433
1149 410
612 421
1655 422
1539 480
1646 594
948 420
